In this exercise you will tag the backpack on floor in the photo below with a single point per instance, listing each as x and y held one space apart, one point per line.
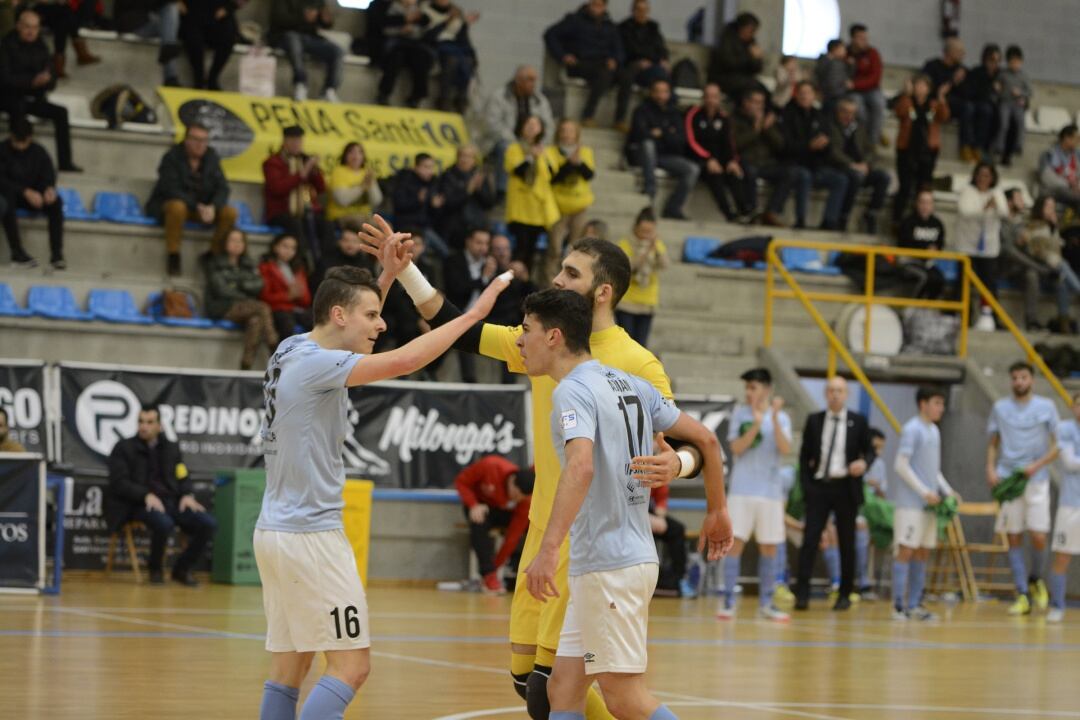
119 104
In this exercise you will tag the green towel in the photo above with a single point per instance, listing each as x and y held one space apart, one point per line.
945 511
743 427
1011 487
879 516
796 503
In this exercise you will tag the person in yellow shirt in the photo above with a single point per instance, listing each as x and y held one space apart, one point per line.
530 202
648 258
574 166
599 271
354 189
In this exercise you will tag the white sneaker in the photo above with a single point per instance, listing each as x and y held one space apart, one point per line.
922 614
331 96
1055 615
769 612
299 92
898 614
725 610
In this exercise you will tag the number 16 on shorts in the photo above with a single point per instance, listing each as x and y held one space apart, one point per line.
346 622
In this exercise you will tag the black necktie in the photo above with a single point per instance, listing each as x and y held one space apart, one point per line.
832 443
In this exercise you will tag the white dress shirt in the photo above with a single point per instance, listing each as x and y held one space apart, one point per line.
838 462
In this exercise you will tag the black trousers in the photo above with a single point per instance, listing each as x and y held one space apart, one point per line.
674 540
199 527
41 108
480 537
915 171
417 58
216 35
823 498
525 239
600 79
728 191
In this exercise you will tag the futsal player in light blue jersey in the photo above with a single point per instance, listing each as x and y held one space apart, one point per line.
312 595
1067 521
1021 429
877 480
601 420
921 487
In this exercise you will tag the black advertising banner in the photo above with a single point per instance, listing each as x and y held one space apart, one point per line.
22 397
713 412
22 511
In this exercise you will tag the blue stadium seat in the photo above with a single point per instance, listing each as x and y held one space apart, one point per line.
55 302
73 205
116 306
226 325
950 269
697 249
806 260
245 220
122 208
156 308
8 306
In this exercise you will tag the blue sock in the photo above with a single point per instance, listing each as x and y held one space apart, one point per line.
731 578
662 713
1057 591
781 563
832 564
766 567
565 715
1038 563
916 583
1019 569
899 583
862 557
279 702
327 700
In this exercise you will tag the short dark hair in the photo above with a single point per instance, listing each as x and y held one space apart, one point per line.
856 28
799 85
928 392
1068 131
565 310
195 125
1021 365
875 433
746 19
525 479
475 229
610 265
646 214
339 288
758 375
833 44
1014 51
298 259
421 157
989 166
20 128
658 81
989 50
1011 192
150 407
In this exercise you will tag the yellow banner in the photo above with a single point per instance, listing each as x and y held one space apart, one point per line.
245 130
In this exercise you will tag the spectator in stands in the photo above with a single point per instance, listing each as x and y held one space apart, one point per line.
63 22
1059 168
208 25
507 310
832 75
586 44
672 534
353 191
26 75
1015 100
788 76
980 210
646 57
806 140
760 146
1043 243
149 483
573 165
447 33
866 83
496 494
28 182
466 274
919 139
294 28
403 29
285 286
658 139
417 200
980 93
347 251
154 19
737 59
530 201
648 258
711 139
233 286
191 187
8 444
504 112
923 230
291 189
947 70
595 228
403 323
851 151
468 193
1018 263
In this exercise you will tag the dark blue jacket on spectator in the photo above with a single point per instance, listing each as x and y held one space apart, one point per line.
583 36
410 209
649 116
799 127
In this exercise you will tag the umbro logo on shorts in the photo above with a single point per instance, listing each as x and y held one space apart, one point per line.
589 657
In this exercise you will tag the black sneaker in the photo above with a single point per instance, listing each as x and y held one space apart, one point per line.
59 264
24 262
173 264
157 577
184 577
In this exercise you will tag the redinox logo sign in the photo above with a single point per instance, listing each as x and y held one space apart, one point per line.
106 412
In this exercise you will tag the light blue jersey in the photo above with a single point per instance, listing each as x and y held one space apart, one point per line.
1025 430
921 443
785 478
619 413
306 403
879 474
755 472
1068 439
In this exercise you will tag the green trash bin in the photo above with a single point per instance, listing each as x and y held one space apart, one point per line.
236 506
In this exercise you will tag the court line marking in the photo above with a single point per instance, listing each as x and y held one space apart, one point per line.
693 700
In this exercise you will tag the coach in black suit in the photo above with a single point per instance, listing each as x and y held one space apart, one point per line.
465 274
836 449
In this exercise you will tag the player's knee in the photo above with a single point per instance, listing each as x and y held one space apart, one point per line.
355 675
1038 540
536 697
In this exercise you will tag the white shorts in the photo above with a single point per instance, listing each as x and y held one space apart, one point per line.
1067 531
757 517
312 594
607 619
1030 511
914 528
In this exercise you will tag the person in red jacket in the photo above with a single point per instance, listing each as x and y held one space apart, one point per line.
285 286
866 82
292 183
496 494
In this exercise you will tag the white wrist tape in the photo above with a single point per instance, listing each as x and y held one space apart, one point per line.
416 285
687 460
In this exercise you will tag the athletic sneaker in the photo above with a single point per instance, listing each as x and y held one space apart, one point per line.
726 609
922 614
1022 606
899 614
493 585
687 589
1055 615
330 95
300 93
835 593
782 595
1040 596
769 612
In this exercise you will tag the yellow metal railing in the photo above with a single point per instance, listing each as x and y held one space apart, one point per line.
868 297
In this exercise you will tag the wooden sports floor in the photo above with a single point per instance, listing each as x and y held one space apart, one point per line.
117 650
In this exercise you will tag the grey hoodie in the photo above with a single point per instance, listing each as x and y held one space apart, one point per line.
831 76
